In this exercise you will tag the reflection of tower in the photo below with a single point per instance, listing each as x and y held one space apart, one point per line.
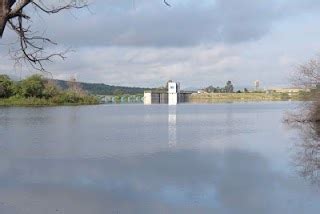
172 126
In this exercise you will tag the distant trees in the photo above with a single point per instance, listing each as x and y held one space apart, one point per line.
103 89
211 89
227 89
118 92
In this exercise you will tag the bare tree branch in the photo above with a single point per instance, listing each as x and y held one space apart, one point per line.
308 74
31 45
165 1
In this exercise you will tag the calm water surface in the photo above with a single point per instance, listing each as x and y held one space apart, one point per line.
223 158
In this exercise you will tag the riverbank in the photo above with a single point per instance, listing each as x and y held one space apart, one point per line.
34 102
242 97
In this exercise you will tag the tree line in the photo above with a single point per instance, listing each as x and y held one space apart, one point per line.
103 89
228 88
37 88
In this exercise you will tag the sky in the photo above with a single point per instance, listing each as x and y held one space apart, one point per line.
196 42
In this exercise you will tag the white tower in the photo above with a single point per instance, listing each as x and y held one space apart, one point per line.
257 84
173 91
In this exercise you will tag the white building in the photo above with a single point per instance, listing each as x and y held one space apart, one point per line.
173 93
147 98
257 85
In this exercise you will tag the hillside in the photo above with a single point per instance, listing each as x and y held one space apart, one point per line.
103 89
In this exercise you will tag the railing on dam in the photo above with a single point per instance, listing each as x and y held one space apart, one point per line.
121 98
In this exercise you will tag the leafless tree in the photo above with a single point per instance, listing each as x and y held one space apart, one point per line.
307 75
307 121
166 2
32 45
75 86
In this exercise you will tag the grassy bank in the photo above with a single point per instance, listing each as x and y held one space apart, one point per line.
33 101
38 91
231 97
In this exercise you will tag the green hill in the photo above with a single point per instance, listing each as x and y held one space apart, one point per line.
103 89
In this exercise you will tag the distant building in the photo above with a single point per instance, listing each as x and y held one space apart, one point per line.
289 90
257 85
171 95
155 97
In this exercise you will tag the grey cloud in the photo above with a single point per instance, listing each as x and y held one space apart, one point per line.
152 24
196 42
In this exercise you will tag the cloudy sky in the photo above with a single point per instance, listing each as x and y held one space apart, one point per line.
196 42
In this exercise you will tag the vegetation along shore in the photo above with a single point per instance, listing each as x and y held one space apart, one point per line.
250 96
39 91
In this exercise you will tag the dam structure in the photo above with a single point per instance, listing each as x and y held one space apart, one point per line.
172 95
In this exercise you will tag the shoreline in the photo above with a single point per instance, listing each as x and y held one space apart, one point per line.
203 98
247 97
38 102
193 102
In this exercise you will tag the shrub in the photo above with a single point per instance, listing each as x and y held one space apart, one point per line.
6 84
33 86
50 90
36 90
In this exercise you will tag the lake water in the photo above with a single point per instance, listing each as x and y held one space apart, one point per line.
219 158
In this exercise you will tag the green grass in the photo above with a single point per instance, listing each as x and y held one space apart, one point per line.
31 101
226 97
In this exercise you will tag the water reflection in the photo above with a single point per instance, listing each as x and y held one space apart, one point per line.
163 182
172 126
307 157
226 159
305 119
